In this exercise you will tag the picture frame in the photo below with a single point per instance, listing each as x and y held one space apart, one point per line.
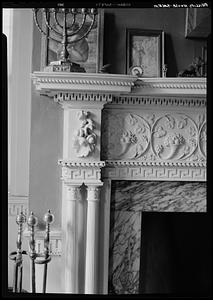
94 62
191 16
145 49
197 23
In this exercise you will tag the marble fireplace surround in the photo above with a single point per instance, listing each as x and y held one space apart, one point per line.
120 127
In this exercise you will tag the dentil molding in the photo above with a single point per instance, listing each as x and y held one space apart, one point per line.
176 101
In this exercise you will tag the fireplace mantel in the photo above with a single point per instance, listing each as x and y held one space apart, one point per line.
53 82
120 127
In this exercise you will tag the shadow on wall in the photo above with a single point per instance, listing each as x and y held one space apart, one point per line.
109 26
170 59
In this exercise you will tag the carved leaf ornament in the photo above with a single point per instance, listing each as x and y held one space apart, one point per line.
166 137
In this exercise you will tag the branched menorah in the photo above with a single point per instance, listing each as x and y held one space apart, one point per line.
36 258
62 22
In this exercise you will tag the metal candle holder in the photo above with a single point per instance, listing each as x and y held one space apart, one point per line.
43 258
66 30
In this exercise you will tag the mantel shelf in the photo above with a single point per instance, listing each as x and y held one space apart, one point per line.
171 86
52 83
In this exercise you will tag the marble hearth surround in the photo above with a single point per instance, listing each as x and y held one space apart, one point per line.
119 127
129 201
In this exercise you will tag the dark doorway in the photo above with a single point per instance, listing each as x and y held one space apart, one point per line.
176 250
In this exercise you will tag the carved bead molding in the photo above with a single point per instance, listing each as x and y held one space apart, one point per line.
170 86
81 172
55 241
155 136
71 163
50 83
132 163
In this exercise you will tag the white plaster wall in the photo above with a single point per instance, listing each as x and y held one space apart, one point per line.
18 26
19 55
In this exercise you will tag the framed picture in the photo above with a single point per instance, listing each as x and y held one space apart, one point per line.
191 16
145 49
198 23
88 52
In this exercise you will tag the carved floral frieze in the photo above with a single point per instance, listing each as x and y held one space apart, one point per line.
154 136
85 137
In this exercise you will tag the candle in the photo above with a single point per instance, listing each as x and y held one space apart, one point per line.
162 51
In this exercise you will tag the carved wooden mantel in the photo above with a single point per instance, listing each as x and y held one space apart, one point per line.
120 127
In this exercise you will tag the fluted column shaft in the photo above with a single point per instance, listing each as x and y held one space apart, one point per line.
71 251
91 270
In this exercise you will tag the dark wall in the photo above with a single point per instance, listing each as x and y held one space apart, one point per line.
179 51
176 254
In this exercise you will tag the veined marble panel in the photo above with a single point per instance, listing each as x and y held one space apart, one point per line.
128 200
124 259
168 196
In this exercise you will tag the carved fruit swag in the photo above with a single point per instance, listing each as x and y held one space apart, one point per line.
85 138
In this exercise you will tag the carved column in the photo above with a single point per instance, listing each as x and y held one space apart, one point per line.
91 272
71 251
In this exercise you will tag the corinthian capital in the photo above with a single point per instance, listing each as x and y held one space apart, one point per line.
73 192
93 193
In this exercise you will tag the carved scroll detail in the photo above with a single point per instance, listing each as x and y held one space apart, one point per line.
154 137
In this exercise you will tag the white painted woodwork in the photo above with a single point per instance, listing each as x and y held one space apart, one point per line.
119 94
54 82
71 249
92 239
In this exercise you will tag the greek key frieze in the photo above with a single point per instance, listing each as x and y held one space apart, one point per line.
155 173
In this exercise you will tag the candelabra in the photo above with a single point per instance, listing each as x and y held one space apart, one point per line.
36 258
66 31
